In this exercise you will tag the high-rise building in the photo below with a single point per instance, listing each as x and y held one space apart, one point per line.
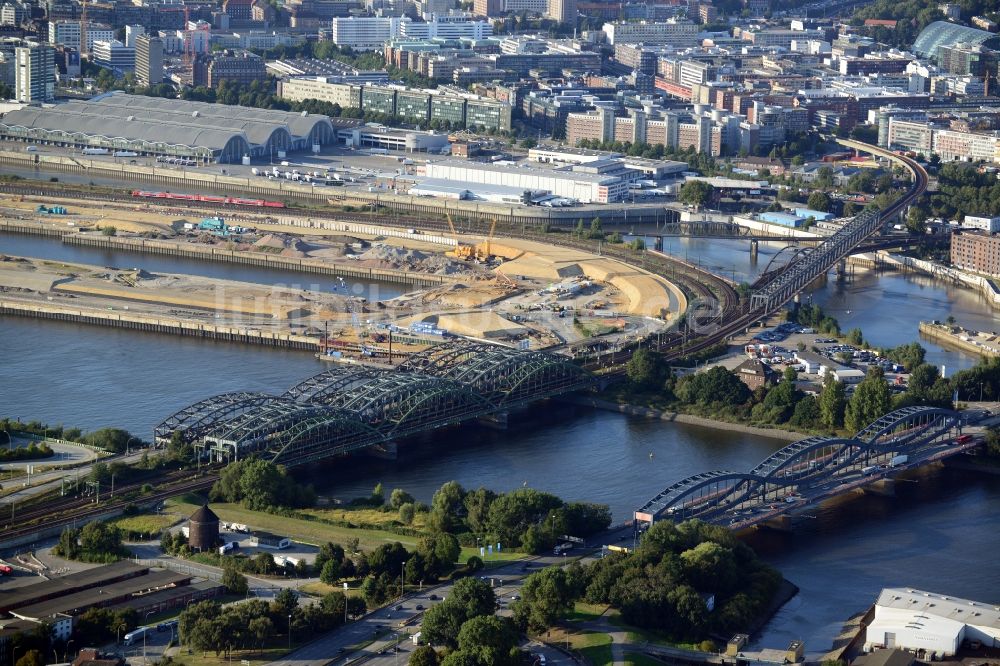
563 11
35 73
149 60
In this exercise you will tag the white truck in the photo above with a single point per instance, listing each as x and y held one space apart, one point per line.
901 459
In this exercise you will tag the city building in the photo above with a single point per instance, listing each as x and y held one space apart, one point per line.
583 183
755 373
363 33
330 71
933 624
676 32
976 251
242 68
149 60
943 33
168 127
113 55
34 73
387 138
564 11
990 225
67 33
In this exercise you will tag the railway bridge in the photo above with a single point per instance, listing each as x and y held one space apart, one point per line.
350 408
812 470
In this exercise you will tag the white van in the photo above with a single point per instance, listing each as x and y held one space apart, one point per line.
136 635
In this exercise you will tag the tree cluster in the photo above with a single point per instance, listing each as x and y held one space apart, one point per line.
261 485
524 518
96 541
963 190
664 583
210 627
30 452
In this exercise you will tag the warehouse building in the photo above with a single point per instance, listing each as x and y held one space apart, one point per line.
587 187
167 127
935 624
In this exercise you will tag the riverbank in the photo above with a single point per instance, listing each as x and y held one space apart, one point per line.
678 417
956 337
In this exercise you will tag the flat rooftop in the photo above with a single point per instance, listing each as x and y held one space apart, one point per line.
69 583
940 605
522 168
104 595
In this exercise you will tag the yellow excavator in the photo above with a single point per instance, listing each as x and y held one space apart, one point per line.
461 251
483 253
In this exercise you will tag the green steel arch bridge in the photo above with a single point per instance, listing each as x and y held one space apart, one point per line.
812 470
351 408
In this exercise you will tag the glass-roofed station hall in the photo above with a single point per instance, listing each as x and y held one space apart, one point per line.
944 33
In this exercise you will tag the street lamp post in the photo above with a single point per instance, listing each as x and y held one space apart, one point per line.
289 631
145 622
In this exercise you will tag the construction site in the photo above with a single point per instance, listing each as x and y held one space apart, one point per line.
516 292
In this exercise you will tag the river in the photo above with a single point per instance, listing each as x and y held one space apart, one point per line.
937 534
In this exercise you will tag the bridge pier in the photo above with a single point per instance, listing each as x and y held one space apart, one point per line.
658 243
386 451
497 420
754 248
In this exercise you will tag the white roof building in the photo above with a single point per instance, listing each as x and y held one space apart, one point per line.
917 620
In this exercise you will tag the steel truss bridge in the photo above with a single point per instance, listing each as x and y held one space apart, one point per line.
810 470
349 407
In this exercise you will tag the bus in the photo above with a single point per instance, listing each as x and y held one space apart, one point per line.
135 636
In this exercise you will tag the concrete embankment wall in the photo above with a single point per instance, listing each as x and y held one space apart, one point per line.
947 339
986 287
139 322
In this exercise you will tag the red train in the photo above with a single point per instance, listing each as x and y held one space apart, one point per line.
208 198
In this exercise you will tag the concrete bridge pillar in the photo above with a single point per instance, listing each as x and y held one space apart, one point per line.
385 451
658 243
497 421
754 248
883 487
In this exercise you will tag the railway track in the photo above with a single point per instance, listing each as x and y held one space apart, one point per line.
59 514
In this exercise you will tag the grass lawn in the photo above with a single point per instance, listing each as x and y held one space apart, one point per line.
583 611
594 646
255 657
151 524
316 532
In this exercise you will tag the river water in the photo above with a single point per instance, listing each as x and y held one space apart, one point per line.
938 534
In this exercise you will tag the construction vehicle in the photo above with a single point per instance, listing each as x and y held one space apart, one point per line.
461 251
483 254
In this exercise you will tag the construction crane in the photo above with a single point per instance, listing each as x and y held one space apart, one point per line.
461 251
483 253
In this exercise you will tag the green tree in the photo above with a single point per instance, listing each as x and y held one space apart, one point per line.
818 201
855 337
490 640
234 581
109 231
378 495
424 655
832 401
547 597
407 513
399 497
695 193
871 400
645 369
440 551
330 573
447 508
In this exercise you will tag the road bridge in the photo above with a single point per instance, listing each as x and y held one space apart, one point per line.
812 470
350 408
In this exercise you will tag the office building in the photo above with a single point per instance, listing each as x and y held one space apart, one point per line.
675 32
149 60
35 73
113 55
363 33
243 68
564 11
67 33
